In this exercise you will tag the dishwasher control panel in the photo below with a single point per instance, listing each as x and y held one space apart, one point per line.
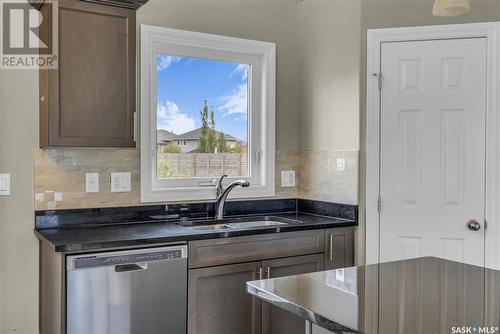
127 257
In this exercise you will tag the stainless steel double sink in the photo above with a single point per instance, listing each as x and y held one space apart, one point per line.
237 223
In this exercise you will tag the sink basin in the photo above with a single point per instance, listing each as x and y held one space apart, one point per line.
213 227
257 223
241 223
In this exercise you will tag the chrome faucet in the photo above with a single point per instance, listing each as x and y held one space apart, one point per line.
222 195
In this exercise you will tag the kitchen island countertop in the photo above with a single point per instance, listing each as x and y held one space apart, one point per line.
423 295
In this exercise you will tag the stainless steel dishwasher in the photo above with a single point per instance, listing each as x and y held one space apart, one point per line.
141 291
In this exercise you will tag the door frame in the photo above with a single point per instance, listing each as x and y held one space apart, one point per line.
375 37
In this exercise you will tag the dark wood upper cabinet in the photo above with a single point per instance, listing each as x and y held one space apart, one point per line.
89 101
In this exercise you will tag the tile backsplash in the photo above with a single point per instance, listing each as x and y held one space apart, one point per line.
60 176
321 179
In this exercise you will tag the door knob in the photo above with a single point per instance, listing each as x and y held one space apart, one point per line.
473 225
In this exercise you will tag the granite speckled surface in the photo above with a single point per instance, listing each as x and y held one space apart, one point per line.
91 238
346 211
171 212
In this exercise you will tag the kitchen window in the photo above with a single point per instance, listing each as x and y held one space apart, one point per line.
207 109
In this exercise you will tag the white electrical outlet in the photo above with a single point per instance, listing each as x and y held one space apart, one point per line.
39 197
287 178
341 164
92 182
58 197
4 184
120 182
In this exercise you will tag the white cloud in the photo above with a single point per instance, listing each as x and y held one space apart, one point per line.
171 118
164 61
241 69
235 103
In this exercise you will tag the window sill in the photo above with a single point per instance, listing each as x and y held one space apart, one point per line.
203 193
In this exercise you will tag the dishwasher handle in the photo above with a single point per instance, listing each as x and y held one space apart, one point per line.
131 267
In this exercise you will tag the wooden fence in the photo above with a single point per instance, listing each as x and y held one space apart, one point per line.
175 165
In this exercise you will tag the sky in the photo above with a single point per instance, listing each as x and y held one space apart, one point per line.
184 83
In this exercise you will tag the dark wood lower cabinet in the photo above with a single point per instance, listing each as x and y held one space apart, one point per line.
218 302
339 248
274 319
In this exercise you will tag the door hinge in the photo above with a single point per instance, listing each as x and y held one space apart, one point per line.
379 204
380 81
134 134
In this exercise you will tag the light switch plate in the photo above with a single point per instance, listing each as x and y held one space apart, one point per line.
92 182
340 275
4 184
287 178
340 164
120 182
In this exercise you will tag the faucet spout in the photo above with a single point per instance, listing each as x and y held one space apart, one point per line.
221 198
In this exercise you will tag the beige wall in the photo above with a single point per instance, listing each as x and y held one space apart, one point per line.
329 44
18 245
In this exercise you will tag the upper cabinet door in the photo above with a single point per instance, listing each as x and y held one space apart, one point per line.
89 101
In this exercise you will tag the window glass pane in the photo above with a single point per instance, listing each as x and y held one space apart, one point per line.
202 118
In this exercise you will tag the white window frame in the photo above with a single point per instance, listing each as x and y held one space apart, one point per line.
261 56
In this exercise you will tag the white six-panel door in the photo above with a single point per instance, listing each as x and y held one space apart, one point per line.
432 149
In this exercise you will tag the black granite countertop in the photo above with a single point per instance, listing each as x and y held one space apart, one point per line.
424 295
130 234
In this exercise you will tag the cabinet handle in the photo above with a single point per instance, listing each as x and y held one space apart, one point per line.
330 240
260 273
268 272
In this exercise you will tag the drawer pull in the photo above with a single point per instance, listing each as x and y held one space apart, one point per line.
330 242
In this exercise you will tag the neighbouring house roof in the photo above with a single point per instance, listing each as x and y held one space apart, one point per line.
196 133
164 136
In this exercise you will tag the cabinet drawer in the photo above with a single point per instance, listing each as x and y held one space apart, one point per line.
214 252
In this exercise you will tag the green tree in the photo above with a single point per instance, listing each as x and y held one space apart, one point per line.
238 148
164 170
203 140
212 134
172 148
210 141
221 143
